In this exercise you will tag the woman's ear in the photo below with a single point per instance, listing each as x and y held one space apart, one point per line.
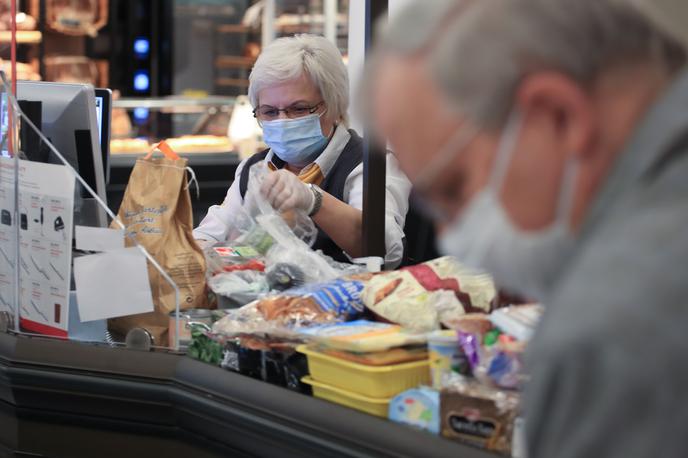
563 105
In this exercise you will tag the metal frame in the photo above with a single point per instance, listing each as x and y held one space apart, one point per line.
374 160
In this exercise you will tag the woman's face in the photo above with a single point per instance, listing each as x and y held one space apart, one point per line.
297 92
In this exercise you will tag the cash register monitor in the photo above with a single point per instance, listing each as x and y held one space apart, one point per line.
69 120
103 116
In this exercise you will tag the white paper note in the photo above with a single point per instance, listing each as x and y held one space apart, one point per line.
98 238
112 284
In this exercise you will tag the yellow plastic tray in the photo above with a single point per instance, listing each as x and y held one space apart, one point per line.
373 381
373 406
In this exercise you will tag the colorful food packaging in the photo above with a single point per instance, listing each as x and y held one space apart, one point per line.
478 415
418 407
445 356
362 336
518 321
330 302
420 297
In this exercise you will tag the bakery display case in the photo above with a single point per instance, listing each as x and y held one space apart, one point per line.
195 128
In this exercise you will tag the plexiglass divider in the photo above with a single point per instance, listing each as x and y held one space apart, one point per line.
9 215
36 182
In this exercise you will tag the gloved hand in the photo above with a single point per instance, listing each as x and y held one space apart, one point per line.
284 191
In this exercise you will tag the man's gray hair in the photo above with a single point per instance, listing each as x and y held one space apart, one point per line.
480 50
288 58
491 45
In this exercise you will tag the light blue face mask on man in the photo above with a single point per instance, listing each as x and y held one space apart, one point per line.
296 141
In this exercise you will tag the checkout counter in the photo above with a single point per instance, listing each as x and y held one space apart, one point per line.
61 398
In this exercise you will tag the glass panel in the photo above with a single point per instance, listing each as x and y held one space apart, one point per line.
10 219
66 293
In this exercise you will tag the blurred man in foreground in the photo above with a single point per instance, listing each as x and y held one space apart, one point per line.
551 137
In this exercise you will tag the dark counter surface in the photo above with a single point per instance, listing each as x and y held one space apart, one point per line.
60 398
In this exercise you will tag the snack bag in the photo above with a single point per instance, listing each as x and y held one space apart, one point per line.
156 210
330 302
419 297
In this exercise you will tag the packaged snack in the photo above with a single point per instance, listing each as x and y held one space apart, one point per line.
421 296
330 302
478 415
470 345
362 336
505 369
418 407
518 321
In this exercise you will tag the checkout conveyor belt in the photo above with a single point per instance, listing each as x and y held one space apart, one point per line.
67 399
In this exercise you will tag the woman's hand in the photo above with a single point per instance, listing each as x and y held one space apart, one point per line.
284 191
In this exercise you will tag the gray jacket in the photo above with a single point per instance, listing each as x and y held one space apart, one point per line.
609 362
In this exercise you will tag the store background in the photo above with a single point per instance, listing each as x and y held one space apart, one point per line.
176 68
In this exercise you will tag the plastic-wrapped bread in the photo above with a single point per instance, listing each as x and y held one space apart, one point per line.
420 297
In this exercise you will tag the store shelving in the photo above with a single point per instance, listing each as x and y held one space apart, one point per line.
23 36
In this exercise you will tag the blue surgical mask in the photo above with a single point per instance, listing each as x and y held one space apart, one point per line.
296 141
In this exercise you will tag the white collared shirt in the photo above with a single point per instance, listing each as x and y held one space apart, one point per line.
214 226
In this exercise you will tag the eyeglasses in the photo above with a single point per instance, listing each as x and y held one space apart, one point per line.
268 113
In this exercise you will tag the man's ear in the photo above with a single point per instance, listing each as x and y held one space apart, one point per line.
563 104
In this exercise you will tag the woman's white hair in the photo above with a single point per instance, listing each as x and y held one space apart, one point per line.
288 58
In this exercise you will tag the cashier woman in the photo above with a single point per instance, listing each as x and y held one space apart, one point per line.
299 88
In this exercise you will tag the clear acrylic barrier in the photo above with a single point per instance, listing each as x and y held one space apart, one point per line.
9 215
42 199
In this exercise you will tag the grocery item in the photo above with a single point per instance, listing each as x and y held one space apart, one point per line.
156 212
478 415
203 348
284 275
371 381
319 303
419 297
379 358
445 356
362 336
187 318
238 287
518 321
470 346
504 369
374 406
473 323
491 337
417 407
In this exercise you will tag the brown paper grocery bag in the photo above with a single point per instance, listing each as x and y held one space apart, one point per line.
156 210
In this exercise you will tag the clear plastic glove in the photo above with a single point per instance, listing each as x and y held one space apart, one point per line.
284 191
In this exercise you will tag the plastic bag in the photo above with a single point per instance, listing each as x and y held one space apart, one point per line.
280 315
421 296
291 224
241 287
223 258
